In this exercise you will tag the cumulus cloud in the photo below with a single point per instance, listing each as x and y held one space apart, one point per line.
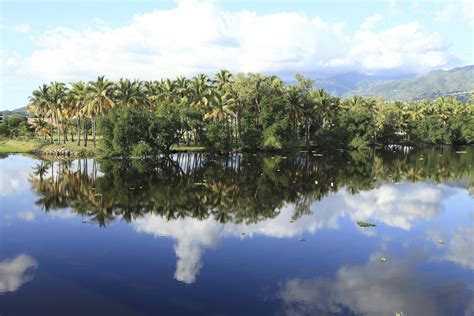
395 205
13 272
461 247
371 289
201 37
13 179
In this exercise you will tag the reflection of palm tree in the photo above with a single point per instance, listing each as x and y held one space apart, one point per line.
41 169
254 190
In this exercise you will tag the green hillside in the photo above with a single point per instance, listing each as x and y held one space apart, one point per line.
457 82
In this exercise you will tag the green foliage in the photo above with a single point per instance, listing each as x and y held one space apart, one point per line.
142 150
252 139
216 138
15 126
137 131
237 112
275 124
365 224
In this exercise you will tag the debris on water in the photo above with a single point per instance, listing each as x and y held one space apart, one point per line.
383 259
302 239
84 222
242 234
365 224
291 221
441 242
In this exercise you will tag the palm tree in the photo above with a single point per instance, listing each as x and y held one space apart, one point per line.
222 79
40 104
296 111
99 101
58 95
79 98
201 92
221 106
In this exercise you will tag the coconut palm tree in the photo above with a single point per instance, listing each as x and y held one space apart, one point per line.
201 92
40 105
295 113
221 107
79 96
222 79
58 95
99 101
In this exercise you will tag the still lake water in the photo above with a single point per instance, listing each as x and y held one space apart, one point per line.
242 235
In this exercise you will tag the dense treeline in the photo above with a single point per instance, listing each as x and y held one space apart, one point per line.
246 112
15 126
239 188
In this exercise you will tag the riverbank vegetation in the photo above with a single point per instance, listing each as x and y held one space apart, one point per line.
236 112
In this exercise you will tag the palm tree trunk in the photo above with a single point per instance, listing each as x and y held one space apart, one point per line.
94 131
59 132
85 132
51 132
78 131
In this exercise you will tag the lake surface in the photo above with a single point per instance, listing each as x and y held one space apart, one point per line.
239 235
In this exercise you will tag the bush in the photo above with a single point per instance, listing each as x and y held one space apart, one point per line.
251 139
138 132
142 150
216 138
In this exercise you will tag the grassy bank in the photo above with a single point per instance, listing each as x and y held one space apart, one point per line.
32 146
35 146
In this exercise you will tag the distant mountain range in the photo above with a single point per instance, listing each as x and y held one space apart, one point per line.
457 82
21 111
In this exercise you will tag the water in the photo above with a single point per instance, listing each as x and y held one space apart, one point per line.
242 235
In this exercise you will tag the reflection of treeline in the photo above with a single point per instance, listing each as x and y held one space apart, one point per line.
238 188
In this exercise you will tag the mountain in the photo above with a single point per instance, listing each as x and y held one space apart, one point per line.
22 111
342 84
457 82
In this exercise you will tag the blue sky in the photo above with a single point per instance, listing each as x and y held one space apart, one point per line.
43 41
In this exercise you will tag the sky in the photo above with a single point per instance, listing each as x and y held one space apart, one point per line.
69 40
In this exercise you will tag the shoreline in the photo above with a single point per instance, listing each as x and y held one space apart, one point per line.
69 149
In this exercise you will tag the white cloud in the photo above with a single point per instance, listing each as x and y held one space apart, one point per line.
201 37
395 205
461 247
13 272
14 178
22 28
372 289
